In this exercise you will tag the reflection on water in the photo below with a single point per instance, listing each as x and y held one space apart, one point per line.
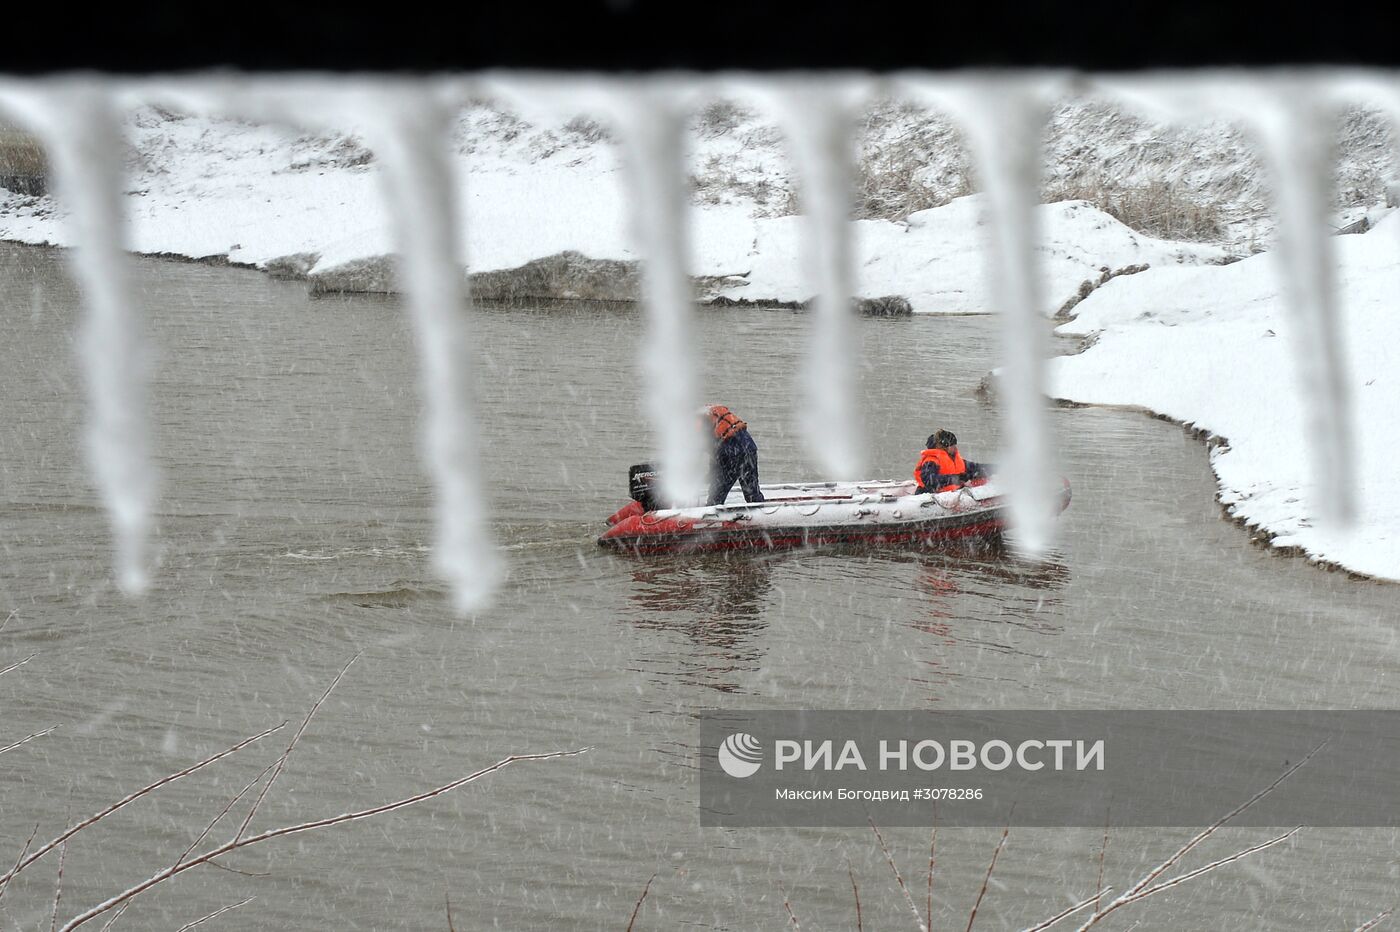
1026 592
1026 596
727 587
715 602
719 604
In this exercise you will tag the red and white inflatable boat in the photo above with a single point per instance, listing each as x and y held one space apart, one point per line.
876 513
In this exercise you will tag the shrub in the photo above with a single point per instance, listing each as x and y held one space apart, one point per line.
890 189
1157 208
587 130
20 153
719 118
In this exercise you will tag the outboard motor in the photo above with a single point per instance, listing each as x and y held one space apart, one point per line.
644 486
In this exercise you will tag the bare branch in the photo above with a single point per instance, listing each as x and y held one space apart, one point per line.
190 925
17 664
972 917
291 746
222 812
115 916
8 618
1103 851
38 734
1370 924
932 850
447 898
797 927
244 842
233 870
58 886
638 908
5 881
855 891
889 859
130 798
1191 875
202 836
1055 919
1201 836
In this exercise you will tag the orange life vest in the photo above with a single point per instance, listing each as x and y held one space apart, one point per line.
950 465
725 422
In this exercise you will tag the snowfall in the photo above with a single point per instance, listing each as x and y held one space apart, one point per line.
1195 336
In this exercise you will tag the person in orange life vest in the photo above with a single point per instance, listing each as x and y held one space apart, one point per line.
942 468
735 455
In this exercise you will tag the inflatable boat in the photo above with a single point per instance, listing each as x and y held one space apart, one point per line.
876 513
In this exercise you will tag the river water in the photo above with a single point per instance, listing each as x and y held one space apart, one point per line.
293 532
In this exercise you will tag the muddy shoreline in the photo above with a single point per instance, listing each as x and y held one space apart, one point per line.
564 278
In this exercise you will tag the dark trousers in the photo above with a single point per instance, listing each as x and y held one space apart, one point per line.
736 459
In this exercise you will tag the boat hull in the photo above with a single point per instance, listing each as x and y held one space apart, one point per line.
876 514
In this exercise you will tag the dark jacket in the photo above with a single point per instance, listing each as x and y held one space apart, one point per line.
735 459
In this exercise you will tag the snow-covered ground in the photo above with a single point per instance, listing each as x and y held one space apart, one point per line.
936 258
1210 347
256 194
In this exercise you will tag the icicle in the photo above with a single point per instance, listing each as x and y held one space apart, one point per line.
1293 116
652 127
85 142
409 134
1297 132
817 124
1003 119
1006 140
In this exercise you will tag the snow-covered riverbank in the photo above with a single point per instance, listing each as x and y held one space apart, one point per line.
313 206
1210 347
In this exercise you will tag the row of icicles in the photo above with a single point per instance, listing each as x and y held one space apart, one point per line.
406 123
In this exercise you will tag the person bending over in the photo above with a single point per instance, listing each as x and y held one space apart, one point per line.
735 456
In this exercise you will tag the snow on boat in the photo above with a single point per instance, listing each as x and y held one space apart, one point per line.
876 513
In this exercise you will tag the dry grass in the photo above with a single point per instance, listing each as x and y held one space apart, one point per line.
716 182
23 168
719 118
887 187
587 131
1157 209
20 153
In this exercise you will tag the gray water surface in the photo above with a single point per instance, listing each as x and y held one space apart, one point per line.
294 528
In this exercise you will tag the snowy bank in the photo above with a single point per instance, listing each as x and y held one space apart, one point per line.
937 258
311 206
1210 347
